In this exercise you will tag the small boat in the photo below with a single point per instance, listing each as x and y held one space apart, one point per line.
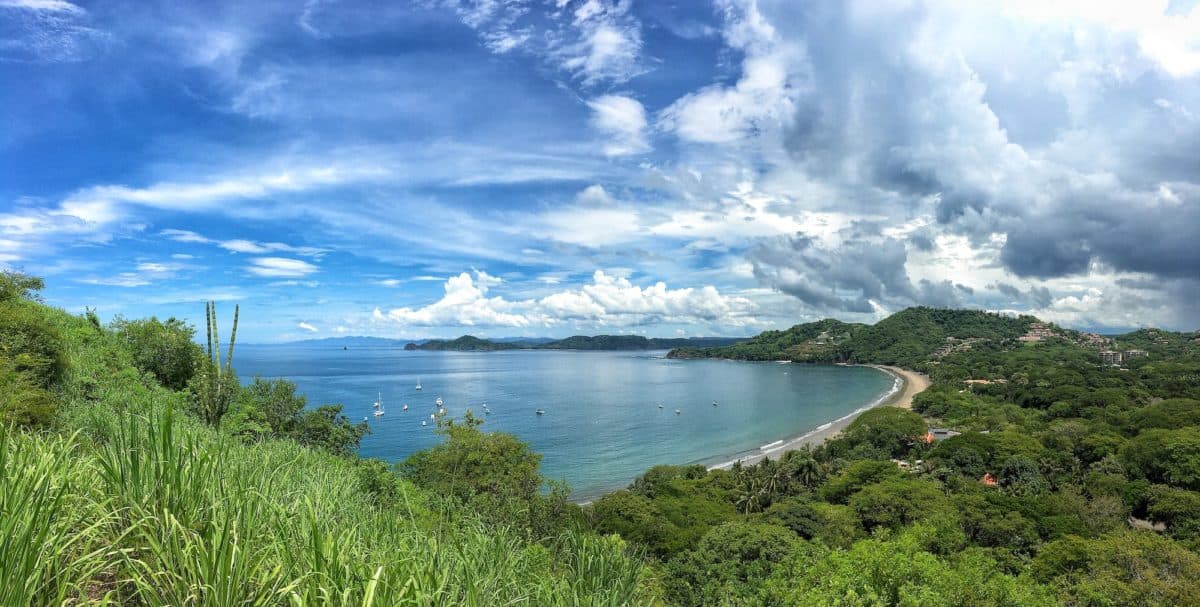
438 402
418 387
432 416
423 422
541 411
677 412
441 411
405 407
714 403
378 404
660 406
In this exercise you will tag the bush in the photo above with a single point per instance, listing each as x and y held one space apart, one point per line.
163 349
891 430
731 560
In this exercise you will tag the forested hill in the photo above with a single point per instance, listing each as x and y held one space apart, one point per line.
906 338
470 343
466 343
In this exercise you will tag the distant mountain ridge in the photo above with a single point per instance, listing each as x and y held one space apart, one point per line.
470 343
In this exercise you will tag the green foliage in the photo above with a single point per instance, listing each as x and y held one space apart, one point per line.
896 502
890 430
1178 509
1170 457
22 401
667 510
1167 414
272 408
33 353
898 571
731 560
1126 568
34 346
15 286
856 476
162 348
495 473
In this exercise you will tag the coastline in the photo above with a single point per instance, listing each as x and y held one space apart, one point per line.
906 385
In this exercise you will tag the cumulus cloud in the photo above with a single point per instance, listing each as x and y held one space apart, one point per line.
623 119
280 267
303 326
465 303
607 301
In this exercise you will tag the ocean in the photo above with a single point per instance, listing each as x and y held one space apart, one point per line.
602 425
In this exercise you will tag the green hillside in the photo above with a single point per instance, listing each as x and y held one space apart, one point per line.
114 492
906 338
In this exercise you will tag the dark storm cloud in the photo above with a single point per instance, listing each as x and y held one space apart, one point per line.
886 108
1039 297
864 269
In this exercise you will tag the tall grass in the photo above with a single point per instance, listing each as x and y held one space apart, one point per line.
51 545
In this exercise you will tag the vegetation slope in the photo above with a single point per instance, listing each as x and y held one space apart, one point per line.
114 491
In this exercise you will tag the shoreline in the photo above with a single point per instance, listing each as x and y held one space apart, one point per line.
905 386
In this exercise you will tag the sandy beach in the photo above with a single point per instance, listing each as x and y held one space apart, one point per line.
911 384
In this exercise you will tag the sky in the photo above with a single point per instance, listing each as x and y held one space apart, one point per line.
554 167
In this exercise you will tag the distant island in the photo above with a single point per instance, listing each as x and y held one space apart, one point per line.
470 343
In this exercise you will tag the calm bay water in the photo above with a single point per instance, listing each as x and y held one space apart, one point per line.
602 425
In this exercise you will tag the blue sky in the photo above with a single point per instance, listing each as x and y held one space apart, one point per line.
556 167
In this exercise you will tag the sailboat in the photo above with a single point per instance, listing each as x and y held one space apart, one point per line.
540 411
378 405
405 407
418 387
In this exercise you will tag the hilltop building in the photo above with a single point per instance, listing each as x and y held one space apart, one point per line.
1131 354
1037 332
1110 357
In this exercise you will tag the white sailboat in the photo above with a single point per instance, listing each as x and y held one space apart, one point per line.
378 405
418 387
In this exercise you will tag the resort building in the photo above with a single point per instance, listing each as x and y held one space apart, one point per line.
1110 357
1037 332
937 434
1130 354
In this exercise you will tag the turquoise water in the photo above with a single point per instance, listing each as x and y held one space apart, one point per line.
602 426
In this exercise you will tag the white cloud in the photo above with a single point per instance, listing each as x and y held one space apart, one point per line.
598 41
53 6
243 246
465 303
607 301
623 119
303 326
390 283
281 267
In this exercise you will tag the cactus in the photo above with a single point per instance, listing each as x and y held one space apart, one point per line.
217 385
